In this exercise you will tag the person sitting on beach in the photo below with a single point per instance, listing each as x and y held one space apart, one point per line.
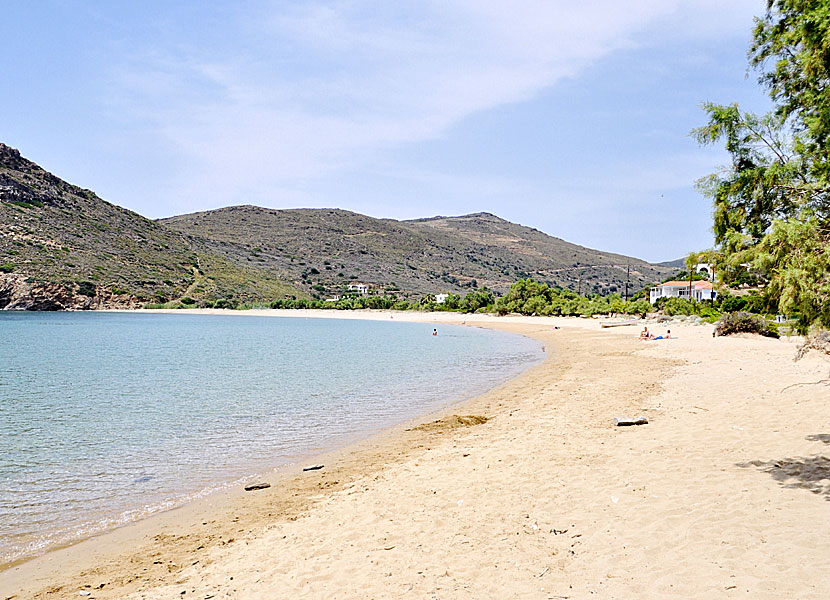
644 334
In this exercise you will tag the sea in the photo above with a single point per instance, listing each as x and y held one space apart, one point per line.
107 418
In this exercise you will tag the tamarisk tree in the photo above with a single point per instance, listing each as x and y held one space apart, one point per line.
772 203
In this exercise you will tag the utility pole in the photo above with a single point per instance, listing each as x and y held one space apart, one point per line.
627 277
712 296
690 283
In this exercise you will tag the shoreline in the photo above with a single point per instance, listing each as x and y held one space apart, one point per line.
231 491
721 493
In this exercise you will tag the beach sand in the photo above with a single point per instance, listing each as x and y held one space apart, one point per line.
723 494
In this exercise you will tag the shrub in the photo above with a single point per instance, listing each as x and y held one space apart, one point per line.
638 307
679 306
731 303
86 288
817 339
225 303
187 300
6 268
744 322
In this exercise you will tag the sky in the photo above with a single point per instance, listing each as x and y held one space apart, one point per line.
572 118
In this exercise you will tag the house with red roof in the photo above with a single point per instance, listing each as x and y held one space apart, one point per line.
701 290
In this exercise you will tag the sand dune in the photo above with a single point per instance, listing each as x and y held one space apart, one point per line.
723 494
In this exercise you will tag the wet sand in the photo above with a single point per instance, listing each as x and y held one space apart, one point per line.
723 494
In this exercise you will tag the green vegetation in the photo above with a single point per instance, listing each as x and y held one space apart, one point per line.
771 209
528 297
6 268
744 322
482 300
86 288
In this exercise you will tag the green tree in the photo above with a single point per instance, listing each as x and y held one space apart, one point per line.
474 301
793 40
772 205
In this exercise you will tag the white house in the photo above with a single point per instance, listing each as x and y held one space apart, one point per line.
701 290
439 298
359 288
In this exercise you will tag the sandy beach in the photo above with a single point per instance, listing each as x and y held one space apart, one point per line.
528 491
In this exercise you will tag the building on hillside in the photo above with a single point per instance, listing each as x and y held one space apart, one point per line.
701 290
440 298
361 289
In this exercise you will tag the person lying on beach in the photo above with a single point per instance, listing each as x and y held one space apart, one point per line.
663 337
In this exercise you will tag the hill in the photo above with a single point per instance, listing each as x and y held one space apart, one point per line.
518 251
677 264
323 250
64 247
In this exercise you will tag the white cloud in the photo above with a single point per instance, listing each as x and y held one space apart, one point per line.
323 87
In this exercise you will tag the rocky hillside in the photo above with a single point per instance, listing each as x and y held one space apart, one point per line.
323 250
516 252
62 247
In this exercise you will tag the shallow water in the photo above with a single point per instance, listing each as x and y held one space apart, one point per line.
106 418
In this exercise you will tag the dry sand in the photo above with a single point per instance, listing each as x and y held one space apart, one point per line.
724 494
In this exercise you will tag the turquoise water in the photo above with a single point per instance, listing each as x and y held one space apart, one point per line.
106 418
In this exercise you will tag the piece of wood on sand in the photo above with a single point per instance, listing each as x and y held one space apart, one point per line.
257 486
627 421
313 468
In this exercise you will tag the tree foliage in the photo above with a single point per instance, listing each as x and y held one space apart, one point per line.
791 48
771 211
529 297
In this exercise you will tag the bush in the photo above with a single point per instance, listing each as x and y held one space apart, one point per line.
679 306
6 268
225 303
817 339
187 300
744 322
86 288
639 307
731 303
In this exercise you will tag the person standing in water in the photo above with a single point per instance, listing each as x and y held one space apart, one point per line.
434 332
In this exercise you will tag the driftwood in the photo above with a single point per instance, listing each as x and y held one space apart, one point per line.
257 486
313 468
626 421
